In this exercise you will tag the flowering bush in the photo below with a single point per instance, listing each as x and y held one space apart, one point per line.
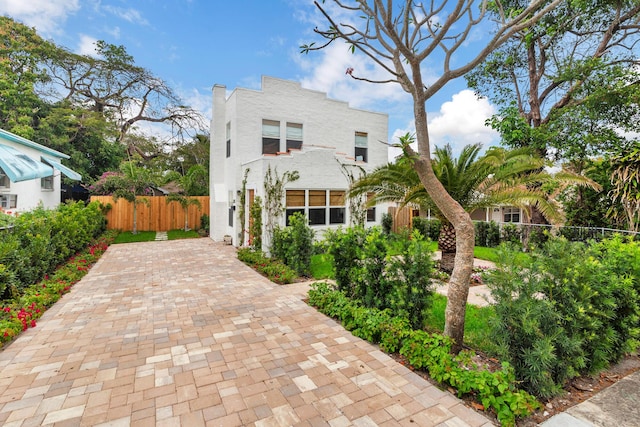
273 269
21 313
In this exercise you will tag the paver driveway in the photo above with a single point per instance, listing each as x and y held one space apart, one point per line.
182 333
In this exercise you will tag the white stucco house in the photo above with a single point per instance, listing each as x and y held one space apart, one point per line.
29 174
288 128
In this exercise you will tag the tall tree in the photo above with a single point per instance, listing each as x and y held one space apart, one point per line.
399 37
113 85
568 84
21 51
626 186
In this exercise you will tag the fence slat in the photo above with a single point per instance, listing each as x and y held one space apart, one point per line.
157 215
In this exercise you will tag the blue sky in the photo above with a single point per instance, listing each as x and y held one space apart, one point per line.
194 44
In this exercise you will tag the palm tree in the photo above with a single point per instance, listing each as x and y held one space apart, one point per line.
184 202
499 177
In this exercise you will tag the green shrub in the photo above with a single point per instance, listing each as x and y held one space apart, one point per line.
387 223
255 227
511 233
428 228
345 246
410 275
294 244
482 230
273 269
372 285
569 308
493 235
205 223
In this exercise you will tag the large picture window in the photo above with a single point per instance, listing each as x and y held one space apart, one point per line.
361 147
294 136
270 137
321 207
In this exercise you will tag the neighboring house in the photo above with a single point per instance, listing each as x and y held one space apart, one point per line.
288 128
29 174
499 214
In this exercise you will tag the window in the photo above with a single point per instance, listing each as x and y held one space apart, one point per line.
371 212
228 139
8 201
336 207
294 136
318 205
511 214
4 180
270 137
46 183
361 147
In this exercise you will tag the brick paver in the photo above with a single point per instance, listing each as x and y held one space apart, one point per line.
181 333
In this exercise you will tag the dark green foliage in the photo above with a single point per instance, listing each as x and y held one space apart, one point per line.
42 239
429 352
205 223
493 235
428 228
373 286
346 246
294 244
273 269
386 223
255 226
482 231
510 233
571 308
410 276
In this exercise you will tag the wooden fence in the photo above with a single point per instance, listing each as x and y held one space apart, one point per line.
158 215
402 218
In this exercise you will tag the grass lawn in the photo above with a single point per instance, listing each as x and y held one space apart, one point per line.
141 236
149 236
181 234
322 267
491 254
476 323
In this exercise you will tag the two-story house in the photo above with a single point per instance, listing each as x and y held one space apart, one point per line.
287 128
29 174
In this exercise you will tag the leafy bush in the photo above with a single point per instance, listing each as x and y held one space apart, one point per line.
345 246
430 352
205 223
493 234
482 230
42 239
387 223
372 285
428 228
273 269
294 244
255 227
569 308
510 233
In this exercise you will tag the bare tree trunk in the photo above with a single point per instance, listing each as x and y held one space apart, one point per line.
461 221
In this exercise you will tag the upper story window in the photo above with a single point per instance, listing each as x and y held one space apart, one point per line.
4 180
361 146
228 139
46 183
294 136
270 137
511 214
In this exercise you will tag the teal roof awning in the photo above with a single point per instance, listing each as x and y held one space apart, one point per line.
20 167
69 173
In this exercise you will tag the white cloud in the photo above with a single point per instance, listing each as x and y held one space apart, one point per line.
459 122
326 72
132 15
87 45
45 15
